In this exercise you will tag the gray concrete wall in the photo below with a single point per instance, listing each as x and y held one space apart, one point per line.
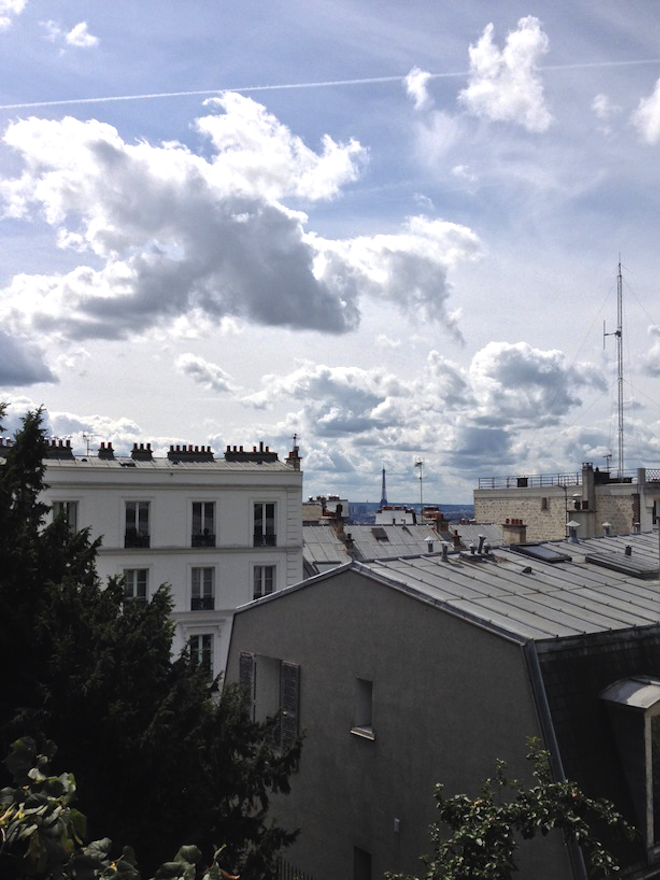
448 699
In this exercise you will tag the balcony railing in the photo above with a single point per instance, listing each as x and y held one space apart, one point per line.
134 539
203 540
202 603
265 540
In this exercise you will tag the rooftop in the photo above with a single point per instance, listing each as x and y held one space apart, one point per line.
525 598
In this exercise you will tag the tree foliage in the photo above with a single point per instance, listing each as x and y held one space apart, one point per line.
477 838
159 755
41 832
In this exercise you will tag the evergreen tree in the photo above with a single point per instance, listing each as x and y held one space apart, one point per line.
159 756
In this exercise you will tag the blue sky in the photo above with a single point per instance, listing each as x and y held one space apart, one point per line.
392 229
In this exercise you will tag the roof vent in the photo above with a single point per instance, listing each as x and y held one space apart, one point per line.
572 531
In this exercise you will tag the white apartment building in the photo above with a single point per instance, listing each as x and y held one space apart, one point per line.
220 532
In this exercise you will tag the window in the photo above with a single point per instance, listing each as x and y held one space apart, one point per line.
137 524
634 710
264 525
271 688
363 725
201 652
544 503
135 583
361 864
203 524
263 580
203 589
69 509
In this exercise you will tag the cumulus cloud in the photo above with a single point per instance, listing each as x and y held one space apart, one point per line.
651 361
8 10
80 36
515 383
205 373
22 363
646 117
504 85
508 387
169 232
416 87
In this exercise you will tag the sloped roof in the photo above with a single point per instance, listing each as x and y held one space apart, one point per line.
392 539
322 548
528 599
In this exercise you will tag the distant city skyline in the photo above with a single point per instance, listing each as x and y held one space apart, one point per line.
390 230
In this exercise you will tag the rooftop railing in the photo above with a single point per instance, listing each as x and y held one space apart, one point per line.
538 481
530 481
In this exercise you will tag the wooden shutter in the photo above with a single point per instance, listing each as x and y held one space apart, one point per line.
290 702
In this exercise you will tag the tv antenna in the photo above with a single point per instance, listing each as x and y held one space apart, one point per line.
619 357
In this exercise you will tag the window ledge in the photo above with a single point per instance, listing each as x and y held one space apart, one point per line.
363 732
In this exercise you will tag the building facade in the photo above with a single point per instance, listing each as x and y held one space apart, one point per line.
220 532
594 500
405 673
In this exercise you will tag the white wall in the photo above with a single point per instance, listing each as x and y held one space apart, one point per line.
102 488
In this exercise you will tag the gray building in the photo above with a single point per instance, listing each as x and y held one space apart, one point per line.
408 672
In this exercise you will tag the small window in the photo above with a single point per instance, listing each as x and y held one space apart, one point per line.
68 509
361 864
263 580
203 524
136 582
201 652
264 525
137 524
363 725
544 503
202 589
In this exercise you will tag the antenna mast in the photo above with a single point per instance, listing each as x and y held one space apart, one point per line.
619 359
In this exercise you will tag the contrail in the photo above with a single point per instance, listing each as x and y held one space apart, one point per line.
370 80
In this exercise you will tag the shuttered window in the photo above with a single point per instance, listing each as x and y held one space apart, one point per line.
271 688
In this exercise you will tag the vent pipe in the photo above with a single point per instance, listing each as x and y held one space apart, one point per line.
572 531
607 529
445 551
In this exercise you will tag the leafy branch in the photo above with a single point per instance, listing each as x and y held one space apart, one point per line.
485 831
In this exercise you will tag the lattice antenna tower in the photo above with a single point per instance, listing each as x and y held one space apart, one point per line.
619 360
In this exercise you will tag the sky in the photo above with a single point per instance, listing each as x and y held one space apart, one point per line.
391 230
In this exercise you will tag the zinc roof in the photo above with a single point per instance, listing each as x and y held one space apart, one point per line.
528 599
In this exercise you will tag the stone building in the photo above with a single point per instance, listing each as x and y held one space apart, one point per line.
219 531
596 501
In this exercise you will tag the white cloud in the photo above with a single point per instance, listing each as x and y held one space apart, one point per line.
646 117
386 343
8 10
416 87
259 157
651 361
409 268
504 84
207 374
81 37
168 233
467 418
518 384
